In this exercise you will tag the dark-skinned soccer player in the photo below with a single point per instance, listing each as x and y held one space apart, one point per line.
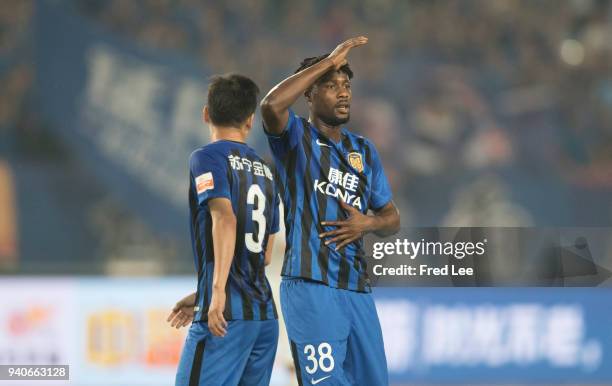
334 191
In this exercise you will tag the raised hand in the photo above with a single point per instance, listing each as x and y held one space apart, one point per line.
338 55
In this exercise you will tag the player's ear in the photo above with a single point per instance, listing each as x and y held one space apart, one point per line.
205 115
249 121
308 93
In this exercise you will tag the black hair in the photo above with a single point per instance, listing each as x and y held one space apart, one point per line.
316 59
232 98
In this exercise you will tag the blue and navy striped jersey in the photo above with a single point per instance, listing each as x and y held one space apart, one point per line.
233 170
314 174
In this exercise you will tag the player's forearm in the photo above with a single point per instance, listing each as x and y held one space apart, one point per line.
224 240
269 248
385 222
275 105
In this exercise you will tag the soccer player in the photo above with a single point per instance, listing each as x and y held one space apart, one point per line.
233 205
329 178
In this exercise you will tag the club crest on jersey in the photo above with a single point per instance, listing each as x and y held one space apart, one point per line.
204 182
356 161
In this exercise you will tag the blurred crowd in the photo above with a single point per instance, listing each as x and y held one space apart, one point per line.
485 112
15 63
517 93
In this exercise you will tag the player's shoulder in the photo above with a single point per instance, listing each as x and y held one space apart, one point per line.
208 153
297 120
360 140
205 151
217 149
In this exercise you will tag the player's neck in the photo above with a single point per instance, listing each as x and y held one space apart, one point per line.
334 133
228 134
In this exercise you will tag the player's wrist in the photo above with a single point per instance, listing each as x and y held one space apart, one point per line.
328 63
370 223
190 299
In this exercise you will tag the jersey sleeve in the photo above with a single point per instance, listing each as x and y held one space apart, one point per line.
209 173
275 225
381 191
288 138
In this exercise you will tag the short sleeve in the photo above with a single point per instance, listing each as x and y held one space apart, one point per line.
381 191
209 176
275 215
289 138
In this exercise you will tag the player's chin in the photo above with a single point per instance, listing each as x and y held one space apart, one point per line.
335 119
342 117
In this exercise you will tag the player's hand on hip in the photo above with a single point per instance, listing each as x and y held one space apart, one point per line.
216 322
182 312
338 55
349 230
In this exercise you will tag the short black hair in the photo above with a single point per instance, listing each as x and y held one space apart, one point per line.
316 59
232 98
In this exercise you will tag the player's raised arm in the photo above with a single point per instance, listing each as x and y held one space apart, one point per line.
275 105
224 241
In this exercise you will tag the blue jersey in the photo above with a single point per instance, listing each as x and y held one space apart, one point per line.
314 175
233 170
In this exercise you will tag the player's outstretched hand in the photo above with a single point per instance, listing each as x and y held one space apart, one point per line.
349 230
216 322
183 311
338 55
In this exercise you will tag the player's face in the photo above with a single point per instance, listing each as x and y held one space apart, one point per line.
330 99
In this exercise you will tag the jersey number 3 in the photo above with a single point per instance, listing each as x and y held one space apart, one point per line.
256 198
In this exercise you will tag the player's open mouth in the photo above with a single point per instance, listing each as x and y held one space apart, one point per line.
343 108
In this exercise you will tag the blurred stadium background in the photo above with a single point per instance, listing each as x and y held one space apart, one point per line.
486 113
